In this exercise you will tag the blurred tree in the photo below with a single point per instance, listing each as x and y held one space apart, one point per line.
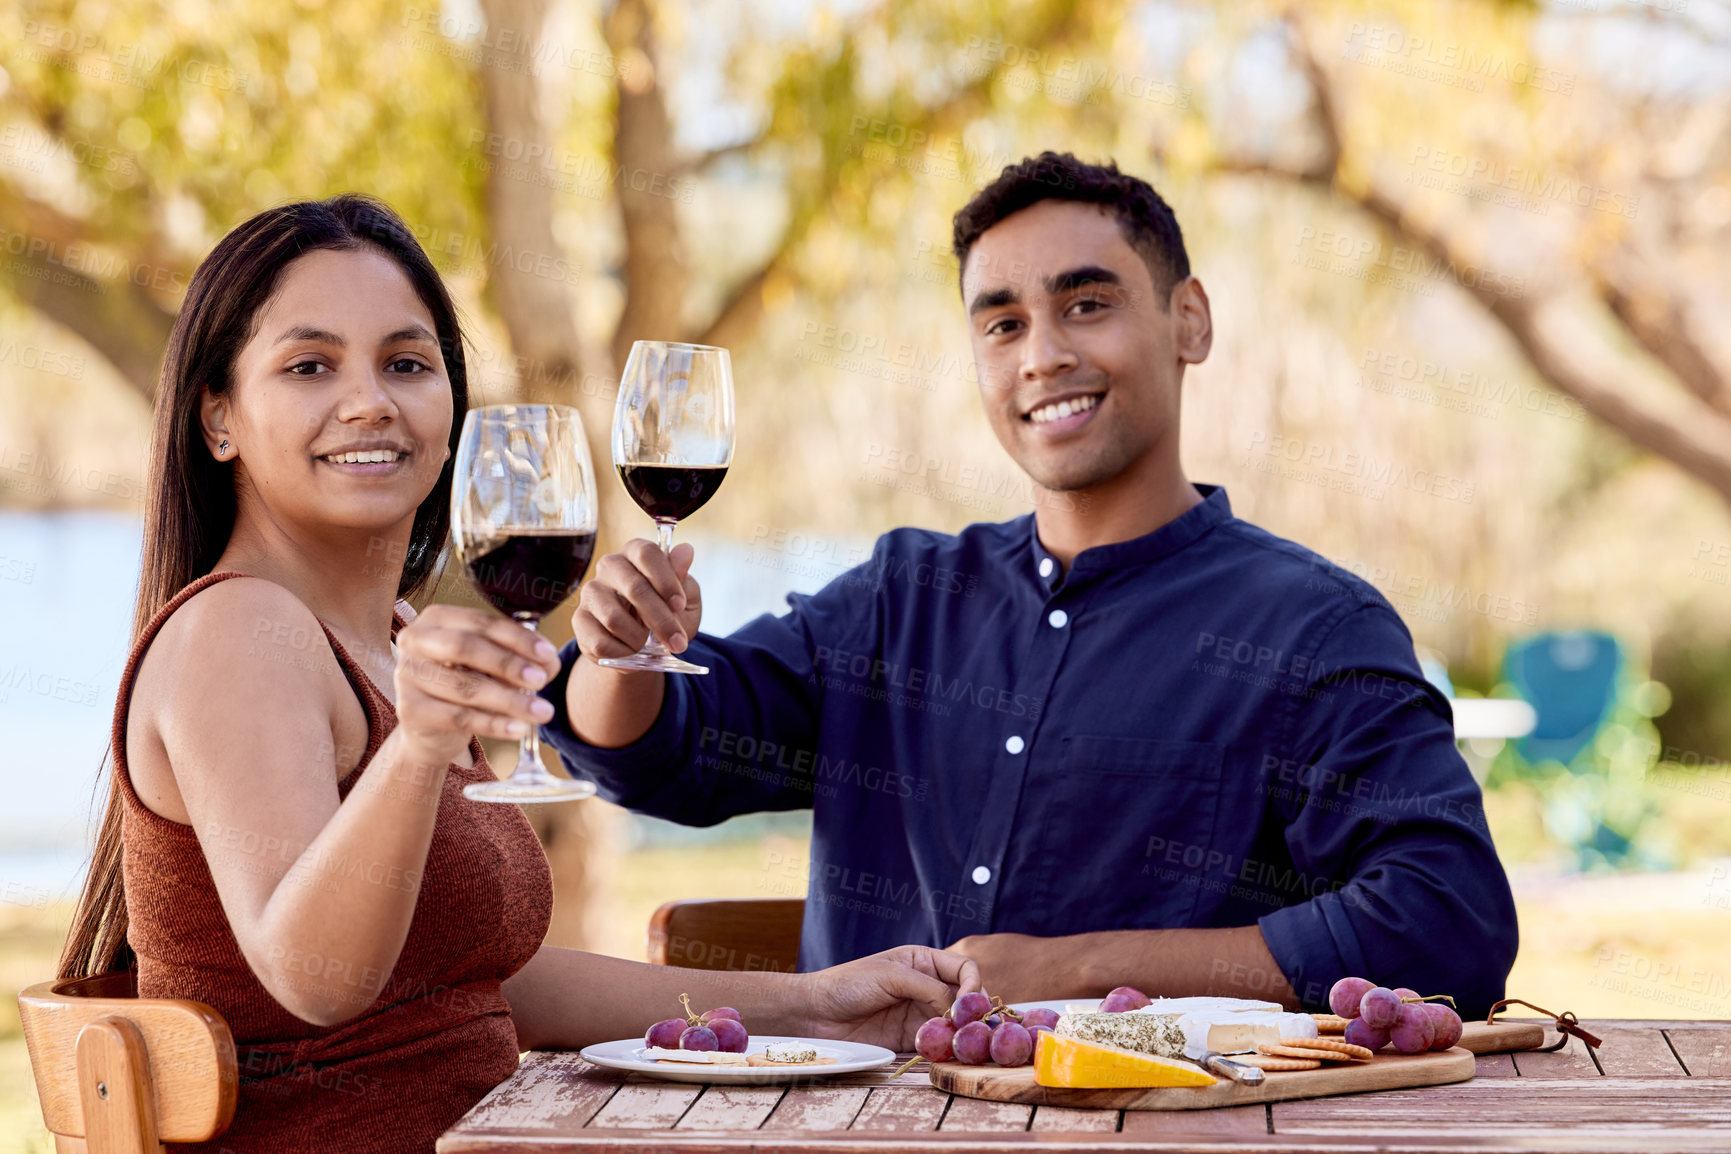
143 137
1645 215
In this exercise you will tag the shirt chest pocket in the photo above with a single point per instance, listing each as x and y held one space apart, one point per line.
1128 833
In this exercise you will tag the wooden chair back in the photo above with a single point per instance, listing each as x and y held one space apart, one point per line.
120 1074
728 934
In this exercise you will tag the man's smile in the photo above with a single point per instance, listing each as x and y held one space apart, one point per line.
1065 413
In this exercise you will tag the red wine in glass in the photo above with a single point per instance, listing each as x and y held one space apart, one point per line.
529 574
671 492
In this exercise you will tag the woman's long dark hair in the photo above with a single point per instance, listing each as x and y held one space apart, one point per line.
191 507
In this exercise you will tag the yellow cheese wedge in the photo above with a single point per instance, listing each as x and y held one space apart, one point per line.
1078 1065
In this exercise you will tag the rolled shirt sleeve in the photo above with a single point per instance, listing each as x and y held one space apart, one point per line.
1386 807
741 739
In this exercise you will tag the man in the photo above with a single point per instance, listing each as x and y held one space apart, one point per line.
1127 739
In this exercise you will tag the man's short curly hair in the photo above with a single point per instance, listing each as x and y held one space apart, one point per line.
1147 221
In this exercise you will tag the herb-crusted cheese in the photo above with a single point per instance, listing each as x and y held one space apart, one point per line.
790 1052
1158 1034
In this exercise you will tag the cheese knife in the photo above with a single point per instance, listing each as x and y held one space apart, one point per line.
1217 1063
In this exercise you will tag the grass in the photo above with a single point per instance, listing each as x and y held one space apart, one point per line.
1607 946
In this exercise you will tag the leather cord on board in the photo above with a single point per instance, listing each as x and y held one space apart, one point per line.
1566 1024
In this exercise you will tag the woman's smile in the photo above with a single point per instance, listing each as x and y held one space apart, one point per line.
373 460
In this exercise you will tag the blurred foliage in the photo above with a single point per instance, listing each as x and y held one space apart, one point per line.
206 113
831 144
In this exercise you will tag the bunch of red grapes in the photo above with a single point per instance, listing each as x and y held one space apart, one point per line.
1379 1017
978 1029
718 1029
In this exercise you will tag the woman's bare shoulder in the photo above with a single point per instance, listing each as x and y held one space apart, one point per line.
243 611
235 638
242 665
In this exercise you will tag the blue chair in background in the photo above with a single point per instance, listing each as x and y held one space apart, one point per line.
1571 681
1590 747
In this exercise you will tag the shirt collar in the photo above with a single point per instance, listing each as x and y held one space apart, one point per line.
1162 542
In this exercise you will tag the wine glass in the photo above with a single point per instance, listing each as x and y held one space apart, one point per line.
523 516
672 444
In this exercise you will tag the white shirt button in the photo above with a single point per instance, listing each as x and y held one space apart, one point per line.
1015 745
1045 566
1058 618
982 875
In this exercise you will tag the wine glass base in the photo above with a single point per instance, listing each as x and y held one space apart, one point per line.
551 789
652 662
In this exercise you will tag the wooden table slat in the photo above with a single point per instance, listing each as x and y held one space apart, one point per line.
899 1109
646 1106
731 1108
1064 1120
1572 1061
1221 1124
818 1108
1495 1066
1705 1051
977 1114
1513 1105
1633 1050
551 1090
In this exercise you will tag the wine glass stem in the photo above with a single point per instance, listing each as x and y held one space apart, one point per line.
664 538
529 746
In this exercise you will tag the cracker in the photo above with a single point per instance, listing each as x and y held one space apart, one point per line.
760 1060
1272 1064
1330 1023
1273 1050
1340 1045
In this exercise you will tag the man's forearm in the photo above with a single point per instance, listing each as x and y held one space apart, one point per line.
1233 962
611 708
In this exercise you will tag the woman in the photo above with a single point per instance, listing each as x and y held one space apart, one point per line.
290 754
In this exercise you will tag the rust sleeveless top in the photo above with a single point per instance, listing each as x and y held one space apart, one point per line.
438 1037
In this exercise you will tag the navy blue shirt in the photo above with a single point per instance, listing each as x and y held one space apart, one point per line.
1205 726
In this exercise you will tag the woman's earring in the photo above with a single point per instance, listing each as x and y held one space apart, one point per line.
222 449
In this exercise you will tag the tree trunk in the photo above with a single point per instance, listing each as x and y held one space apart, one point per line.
647 182
537 311
120 319
1691 429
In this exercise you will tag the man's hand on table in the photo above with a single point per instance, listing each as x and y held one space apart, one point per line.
1024 968
883 999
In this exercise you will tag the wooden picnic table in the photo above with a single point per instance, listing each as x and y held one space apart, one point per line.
1653 1086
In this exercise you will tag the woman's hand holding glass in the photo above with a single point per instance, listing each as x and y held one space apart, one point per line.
463 672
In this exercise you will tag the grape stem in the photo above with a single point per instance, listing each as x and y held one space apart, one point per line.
908 1065
685 1000
1432 998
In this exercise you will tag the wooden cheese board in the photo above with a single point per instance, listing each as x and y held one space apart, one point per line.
1386 1071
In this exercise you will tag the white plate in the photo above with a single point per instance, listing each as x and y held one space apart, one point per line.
851 1057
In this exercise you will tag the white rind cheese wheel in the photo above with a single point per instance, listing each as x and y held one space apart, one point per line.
707 1057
